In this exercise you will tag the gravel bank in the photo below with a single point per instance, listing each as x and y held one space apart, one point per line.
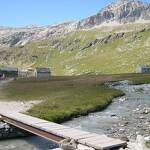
17 106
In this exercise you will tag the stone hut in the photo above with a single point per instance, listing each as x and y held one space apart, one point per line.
9 72
143 69
42 73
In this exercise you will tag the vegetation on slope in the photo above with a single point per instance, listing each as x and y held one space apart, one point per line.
95 51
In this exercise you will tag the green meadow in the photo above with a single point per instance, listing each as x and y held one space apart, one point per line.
65 97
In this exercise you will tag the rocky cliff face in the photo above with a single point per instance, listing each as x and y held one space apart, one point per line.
119 12
20 36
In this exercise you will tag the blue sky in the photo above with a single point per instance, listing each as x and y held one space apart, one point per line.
46 12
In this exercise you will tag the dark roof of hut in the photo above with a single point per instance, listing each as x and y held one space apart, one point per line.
43 70
9 69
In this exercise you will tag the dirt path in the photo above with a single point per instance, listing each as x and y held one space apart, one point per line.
16 106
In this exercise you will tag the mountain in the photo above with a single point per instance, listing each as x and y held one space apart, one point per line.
20 36
120 12
114 43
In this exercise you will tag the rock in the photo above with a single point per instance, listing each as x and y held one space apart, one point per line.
7 131
139 144
122 130
121 11
126 123
113 115
86 46
122 99
146 110
104 40
68 144
137 109
122 125
125 138
142 117
143 30
21 36
147 138
3 125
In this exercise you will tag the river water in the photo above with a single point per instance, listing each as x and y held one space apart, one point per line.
28 143
127 116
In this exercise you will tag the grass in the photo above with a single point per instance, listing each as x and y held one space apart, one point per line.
133 78
140 79
65 97
148 144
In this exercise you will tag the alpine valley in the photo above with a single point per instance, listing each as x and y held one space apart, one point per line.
115 40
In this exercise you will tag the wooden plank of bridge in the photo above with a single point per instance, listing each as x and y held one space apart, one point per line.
99 142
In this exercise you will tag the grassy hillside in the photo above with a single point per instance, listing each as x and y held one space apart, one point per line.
103 50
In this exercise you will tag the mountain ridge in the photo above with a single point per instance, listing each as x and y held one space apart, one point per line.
117 13
121 12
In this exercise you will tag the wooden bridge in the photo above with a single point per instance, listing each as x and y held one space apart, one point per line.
57 133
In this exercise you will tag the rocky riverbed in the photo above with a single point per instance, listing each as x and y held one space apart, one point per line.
7 132
125 118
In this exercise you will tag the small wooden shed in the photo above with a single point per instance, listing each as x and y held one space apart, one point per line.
9 72
143 69
42 73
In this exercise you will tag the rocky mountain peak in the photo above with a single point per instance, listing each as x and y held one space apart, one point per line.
125 3
119 11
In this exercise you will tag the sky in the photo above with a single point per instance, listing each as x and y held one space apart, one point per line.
16 13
